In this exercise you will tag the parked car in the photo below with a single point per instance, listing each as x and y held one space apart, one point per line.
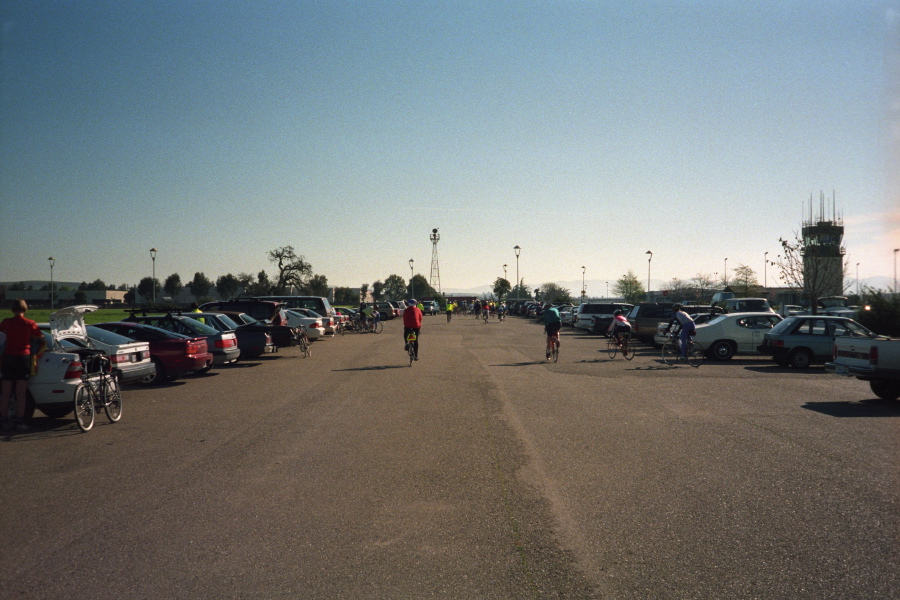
735 305
602 311
645 317
567 315
431 307
319 304
258 309
329 324
311 325
387 310
799 341
876 360
699 319
222 345
253 342
52 389
283 336
173 354
730 334
130 357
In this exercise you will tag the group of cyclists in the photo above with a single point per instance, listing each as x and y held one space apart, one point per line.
620 329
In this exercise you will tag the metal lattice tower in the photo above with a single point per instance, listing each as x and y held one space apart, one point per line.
435 280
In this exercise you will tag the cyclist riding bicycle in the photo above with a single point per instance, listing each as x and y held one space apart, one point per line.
688 328
412 322
618 326
552 325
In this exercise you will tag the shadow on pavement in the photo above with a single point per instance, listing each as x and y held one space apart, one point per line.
864 408
373 368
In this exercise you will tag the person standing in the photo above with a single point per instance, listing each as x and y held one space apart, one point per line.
22 336
412 322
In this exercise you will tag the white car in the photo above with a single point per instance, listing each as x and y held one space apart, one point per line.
726 335
52 389
313 327
329 324
604 311
130 357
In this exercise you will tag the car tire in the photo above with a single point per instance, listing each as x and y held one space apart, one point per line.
158 377
886 390
800 358
56 413
721 350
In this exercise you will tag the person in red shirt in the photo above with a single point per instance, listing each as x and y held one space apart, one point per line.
21 334
412 322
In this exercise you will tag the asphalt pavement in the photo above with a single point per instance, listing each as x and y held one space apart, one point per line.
481 471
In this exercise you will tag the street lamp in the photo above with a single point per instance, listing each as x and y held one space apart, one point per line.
896 250
518 250
648 272
153 281
857 279
765 265
504 271
412 288
726 273
583 287
607 290
52 262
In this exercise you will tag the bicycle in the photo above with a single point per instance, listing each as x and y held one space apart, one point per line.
411 346
449 315
375 326
621 344
485 315
671 351
99 387
304 344
553 343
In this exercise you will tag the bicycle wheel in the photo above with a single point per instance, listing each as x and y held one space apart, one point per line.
304 347
670 353
411 352
555 354
611 348
627 350
112 399
379 326
84 408
695 355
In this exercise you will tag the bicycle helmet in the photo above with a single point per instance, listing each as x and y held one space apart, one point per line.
676 308
411 302
617 313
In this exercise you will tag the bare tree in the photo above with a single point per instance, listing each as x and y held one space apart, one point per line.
293 270
744 283
814 276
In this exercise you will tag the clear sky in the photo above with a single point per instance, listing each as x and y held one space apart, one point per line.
585 132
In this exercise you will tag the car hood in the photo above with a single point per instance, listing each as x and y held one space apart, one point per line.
69 322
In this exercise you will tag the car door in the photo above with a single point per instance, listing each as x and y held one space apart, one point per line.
759 327
815 335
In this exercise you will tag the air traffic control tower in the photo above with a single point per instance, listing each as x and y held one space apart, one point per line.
823 255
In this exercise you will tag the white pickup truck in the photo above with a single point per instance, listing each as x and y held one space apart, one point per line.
876 360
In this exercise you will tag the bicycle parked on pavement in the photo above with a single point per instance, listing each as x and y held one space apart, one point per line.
99 388
671 351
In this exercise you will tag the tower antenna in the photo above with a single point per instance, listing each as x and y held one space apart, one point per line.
435 280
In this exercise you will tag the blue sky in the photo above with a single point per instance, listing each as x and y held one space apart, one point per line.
585 132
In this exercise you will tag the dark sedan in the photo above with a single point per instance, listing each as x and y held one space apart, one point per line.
282 335
222 345
253 342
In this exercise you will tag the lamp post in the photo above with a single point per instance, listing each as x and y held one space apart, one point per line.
153 280
583 286
896 250
504 271
518 250
648 272
412 288
765 275
52 262
607 290
857 279
726 273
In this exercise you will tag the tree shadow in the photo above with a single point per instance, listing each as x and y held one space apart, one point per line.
864 408
372 368
522 364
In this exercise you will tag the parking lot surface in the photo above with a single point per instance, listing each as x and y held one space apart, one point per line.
481 471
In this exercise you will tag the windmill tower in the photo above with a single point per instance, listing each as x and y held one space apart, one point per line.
435 280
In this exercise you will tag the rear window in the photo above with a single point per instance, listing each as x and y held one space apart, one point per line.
599 309
107 337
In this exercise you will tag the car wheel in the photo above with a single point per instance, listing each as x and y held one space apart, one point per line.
886 390
721 350
56 413
800 358
156 378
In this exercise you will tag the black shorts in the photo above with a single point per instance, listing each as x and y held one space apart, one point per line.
552 328
16 367
621 329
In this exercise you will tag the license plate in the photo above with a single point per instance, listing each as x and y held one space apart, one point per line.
841 370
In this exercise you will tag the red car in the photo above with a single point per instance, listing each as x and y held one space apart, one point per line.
175 355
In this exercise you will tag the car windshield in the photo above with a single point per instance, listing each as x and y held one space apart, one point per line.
851 329
198 326
107 337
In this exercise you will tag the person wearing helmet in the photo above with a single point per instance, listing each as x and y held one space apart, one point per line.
412 322
688 328
617 327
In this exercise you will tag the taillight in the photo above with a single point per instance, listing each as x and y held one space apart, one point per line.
873 355
226 343
194 347
776 343
118 358
75 370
